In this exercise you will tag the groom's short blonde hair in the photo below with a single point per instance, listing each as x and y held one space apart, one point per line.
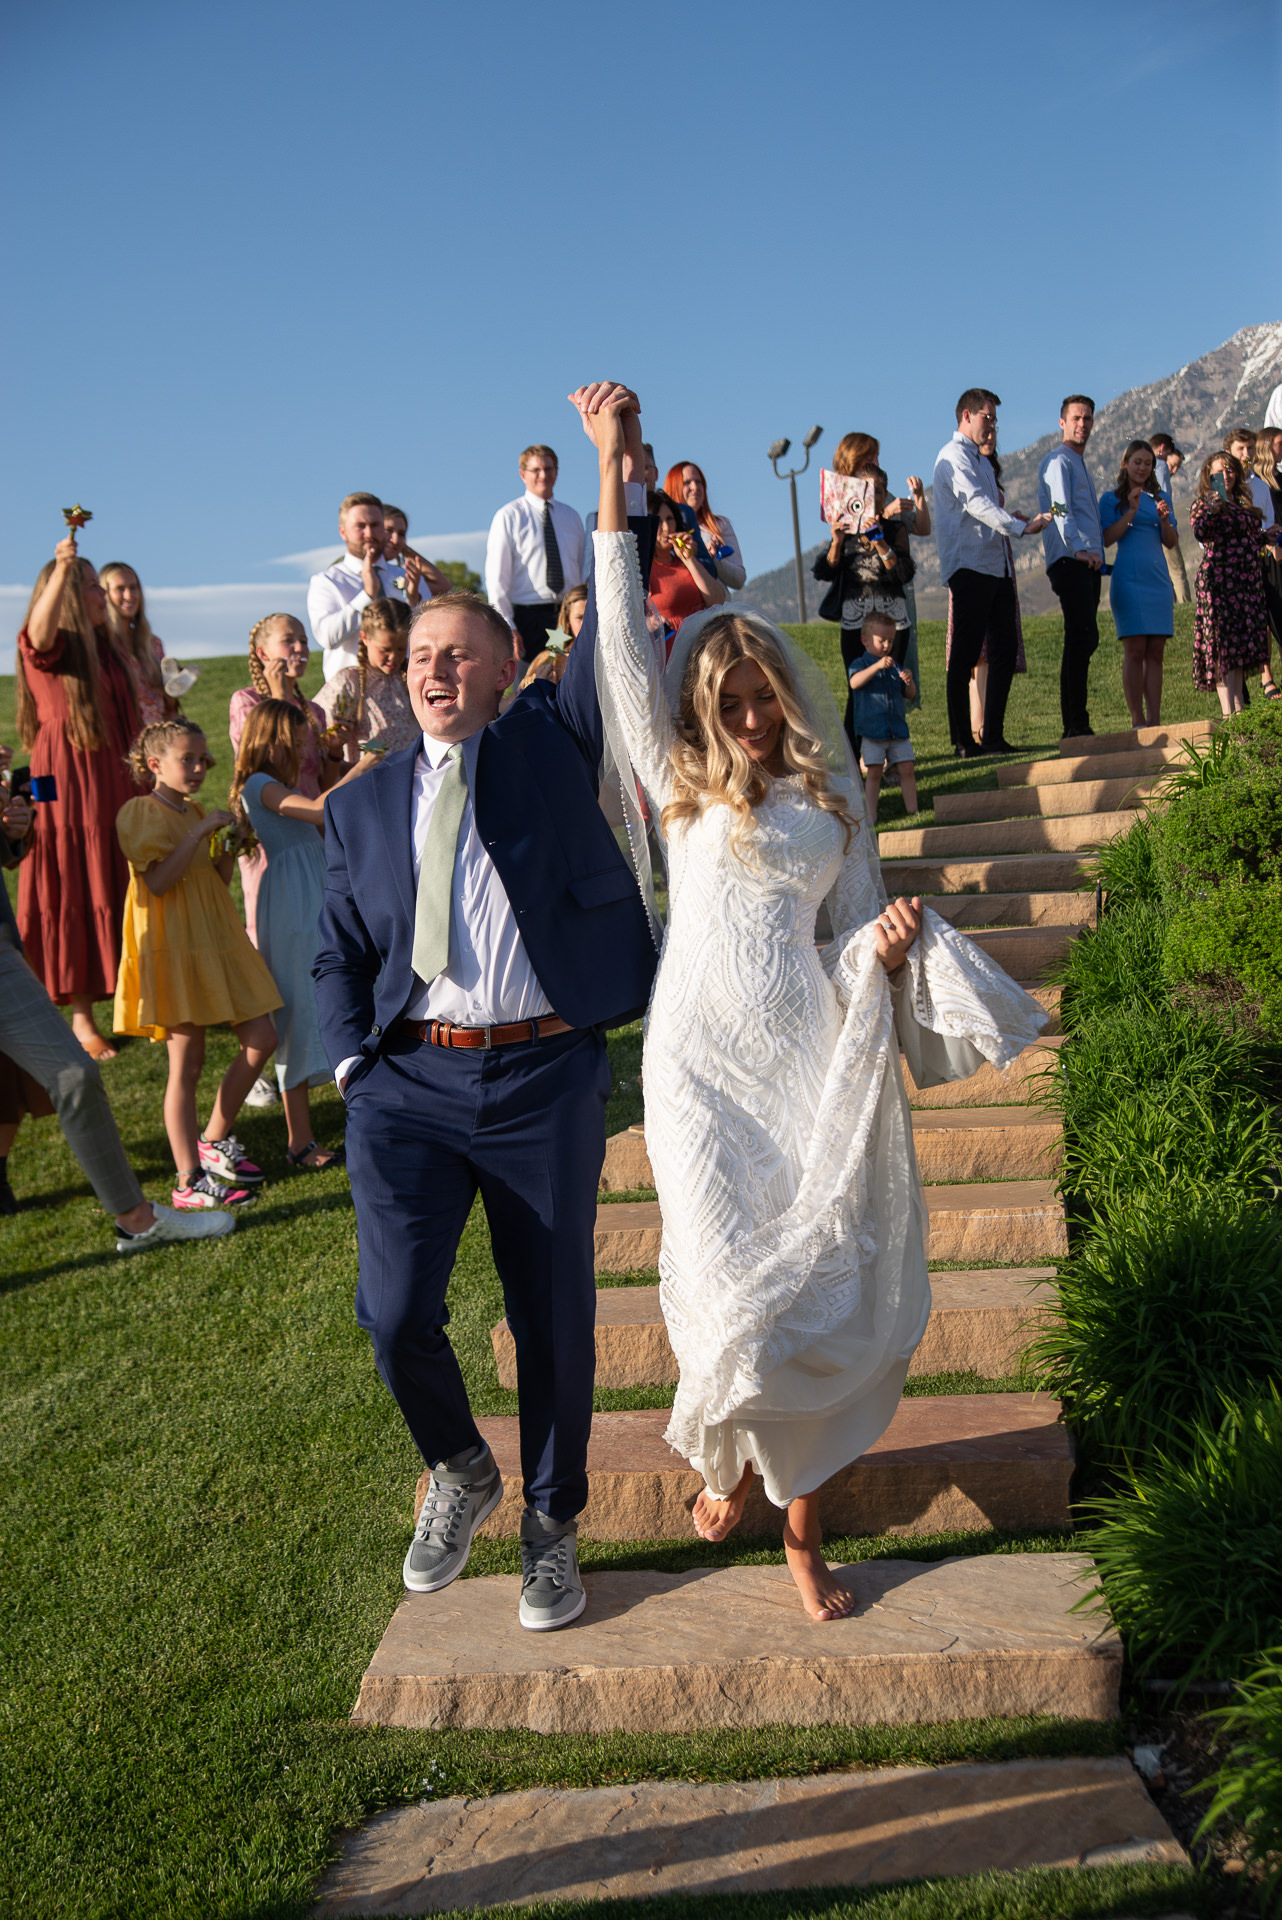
469 603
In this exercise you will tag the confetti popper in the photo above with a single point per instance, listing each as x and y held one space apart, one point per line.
76 517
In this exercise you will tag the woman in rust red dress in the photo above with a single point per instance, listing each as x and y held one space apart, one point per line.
679 584
77 714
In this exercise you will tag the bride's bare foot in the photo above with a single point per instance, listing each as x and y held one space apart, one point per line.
713 1518
822 1593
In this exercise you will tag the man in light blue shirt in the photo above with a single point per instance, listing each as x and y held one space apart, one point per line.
1074 547
972 531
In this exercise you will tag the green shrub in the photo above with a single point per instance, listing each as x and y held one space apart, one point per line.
1163 1313
1217 851
1248 1787
1116 964
1124 866
1190 1553
1162 1097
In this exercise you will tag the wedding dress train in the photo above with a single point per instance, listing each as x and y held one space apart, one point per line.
793 1275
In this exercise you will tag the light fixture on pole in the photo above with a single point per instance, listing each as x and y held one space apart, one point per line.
775 453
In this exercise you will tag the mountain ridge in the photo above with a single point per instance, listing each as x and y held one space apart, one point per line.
1226 387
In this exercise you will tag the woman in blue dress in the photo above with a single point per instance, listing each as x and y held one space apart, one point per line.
1138 520
264 794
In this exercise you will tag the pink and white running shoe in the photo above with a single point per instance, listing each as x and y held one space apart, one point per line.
205 1192
225 1159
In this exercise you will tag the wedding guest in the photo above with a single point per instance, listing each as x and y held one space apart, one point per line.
552 662
651 468
1231 626
877 688
421 578
264 795
853 452
868 572
278 656
685 483
979 672
186 963
371 699
132 636
1138 520
535 550
1240 442
77 712
337 597
1273 412
972 529
1169 461
1073 546
679 586
44 1069
1267 446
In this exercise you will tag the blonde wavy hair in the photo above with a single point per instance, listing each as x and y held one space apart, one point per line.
710 766
151 744
135 640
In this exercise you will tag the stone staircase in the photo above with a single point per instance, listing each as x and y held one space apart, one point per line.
965 1637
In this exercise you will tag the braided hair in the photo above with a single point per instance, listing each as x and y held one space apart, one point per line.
153 742
258 673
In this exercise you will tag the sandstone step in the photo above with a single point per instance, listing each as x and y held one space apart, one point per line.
1011 1221
977 1321
1027 953
969 910
1012 1086
672 1653
1168 736
969 1143
740 1837
975 840
1092 766
947 1462
1004 873
1045 801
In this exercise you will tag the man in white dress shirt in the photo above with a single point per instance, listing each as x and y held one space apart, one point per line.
337 597
536 550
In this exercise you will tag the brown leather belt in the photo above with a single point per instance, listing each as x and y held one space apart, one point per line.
443 1033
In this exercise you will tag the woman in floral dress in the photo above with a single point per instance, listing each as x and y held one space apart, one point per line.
1231 627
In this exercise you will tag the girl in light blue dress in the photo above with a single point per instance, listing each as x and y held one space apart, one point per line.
289 827
1138 520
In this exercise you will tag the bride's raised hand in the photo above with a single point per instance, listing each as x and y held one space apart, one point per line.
897 927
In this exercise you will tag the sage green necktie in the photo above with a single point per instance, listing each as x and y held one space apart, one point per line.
436 872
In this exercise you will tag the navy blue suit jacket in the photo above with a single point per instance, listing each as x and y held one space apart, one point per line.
575 896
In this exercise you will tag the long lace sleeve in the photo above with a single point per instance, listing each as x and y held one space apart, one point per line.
638 725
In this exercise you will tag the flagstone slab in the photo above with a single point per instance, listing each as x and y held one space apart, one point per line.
956 1639
759 1836
1134 737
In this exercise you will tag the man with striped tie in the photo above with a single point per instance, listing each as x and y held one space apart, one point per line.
536 550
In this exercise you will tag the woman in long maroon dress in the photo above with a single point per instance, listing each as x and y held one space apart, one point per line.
77 714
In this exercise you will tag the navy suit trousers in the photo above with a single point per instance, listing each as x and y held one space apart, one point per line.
427 1129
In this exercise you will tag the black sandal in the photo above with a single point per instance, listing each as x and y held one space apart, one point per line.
301 1164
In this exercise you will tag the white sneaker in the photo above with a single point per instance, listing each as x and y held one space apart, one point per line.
262 1094
171 1225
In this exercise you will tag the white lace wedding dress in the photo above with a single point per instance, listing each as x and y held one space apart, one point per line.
793 1272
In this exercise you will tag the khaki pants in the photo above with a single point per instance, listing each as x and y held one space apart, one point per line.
1179 579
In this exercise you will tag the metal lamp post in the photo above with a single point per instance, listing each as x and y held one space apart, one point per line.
775 453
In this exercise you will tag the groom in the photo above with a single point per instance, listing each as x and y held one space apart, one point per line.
480 931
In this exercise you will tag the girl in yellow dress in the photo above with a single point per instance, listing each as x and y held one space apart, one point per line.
188 963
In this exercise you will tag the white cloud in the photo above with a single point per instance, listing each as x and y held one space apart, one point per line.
194 622
437 546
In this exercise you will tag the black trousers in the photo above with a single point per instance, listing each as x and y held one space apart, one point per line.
532 623
1077 588
983 609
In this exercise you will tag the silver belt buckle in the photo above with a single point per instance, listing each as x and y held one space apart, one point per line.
488 1043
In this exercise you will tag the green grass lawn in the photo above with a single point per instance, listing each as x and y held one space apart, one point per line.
206 1496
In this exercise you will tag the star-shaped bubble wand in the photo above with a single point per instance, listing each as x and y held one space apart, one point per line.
76 517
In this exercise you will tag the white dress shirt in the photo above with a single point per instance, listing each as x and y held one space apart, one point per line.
336 600
516 568
488 980
1273 412
971 525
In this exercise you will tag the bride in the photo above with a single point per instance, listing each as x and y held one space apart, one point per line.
793 1272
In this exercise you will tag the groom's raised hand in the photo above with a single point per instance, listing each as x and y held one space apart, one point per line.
604 406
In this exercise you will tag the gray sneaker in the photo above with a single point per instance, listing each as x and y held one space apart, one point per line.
169 1224
462 1492
551 1591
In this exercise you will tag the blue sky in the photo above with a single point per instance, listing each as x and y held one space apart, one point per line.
261 255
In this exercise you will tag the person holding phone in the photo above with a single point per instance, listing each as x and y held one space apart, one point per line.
1139 522
679 585
1231 624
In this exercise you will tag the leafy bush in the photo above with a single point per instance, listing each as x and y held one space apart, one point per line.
1248 1787
1190 1553
1124 866
1161 1097
1163 1313
1116 964
1217 852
